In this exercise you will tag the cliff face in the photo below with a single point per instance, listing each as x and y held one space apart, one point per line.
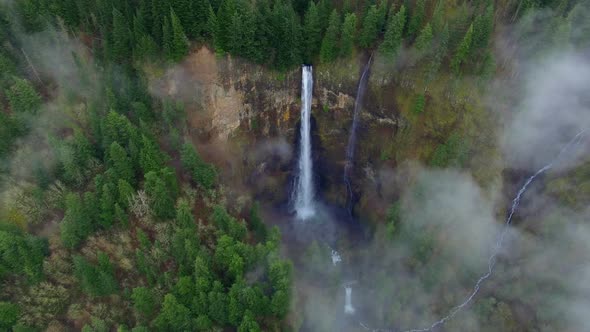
253 113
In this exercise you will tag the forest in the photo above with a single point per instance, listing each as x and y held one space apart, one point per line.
113 219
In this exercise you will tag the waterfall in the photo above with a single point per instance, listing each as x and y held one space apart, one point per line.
336 257
497 247
352 138
348 301
304 193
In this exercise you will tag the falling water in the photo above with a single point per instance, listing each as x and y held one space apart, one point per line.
348 301
352 138
304 193
497 247
336 257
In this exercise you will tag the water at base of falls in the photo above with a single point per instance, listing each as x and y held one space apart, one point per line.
303 200
348 308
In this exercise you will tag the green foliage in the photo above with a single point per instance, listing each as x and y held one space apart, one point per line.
120 164
162 188
329 49
453 153
177 43
21 254
370 28
120 45
424 40
173 315
483 27
463 52
393 219
22 97
202 173
9 314
77 223
312 30
144 301
417 18
394 33
348 35
96 280
419 104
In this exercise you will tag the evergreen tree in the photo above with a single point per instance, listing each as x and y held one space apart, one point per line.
161 194
22 97
424 39
438 22
213 28
120 45
76 225
329 50
463 51
120 163
312 30
417 18
178 45
201 17
348 35
438 54
143 301
9 314
223 33
394 33
144 45
483 27
370 28
419 104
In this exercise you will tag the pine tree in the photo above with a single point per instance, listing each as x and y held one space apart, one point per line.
424 39
76 225
329 50
417 18
200 9
483 28
225 14
212 30
178 45
370 28
161 194
22 97
312 30
120 163
348 35
121 38
394 33
442 44
144 45
463 51
438 17
143 301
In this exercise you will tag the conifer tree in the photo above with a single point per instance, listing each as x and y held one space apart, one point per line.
348 35
179 43
417 18
438 17
370 28
312 31
394 33
329 50
120 45
483 27
120 163
424 39
22 97
225 14
463 51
